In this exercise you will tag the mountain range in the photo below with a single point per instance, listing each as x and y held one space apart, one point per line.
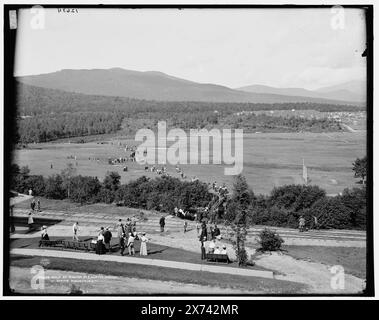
354 91
153 85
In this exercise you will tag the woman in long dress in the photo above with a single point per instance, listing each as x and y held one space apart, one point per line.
100 247
143 250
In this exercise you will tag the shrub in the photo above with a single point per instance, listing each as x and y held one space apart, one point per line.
269 240
84 189
54 187
295 197
36 183
112 181
285 205
356 200
332 213
163 194
105 195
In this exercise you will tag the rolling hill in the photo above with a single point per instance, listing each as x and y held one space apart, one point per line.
152 85
354 91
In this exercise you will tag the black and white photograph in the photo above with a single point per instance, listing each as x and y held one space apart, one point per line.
188 151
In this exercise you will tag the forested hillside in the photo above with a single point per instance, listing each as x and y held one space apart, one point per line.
47 114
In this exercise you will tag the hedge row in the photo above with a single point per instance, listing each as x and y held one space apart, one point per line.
161 193
282 207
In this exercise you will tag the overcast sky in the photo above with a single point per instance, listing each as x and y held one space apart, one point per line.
276 47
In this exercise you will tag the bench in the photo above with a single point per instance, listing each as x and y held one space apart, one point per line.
74 245
214 257
50 243
77 245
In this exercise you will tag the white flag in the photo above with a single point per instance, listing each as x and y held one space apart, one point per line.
305 173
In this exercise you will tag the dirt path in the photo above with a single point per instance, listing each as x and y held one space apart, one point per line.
60 282
317 275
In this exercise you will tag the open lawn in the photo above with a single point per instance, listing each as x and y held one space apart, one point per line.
254 284
270 159
353 260
66 205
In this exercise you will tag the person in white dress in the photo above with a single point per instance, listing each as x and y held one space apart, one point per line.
30 220
143 249
75 231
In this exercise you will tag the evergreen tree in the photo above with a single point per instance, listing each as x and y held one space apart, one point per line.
237 216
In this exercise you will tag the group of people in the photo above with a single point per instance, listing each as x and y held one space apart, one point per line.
182 174
180 171
161 171
103 243
126 146
222 190
211 233
127 235
117 160
208 231
213 248
302 224
35 205
180 212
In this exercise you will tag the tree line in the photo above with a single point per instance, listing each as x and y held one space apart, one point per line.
161 194
43 128
282 207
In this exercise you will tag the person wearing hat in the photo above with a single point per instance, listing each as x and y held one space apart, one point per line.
30 220
107 239
44 235
100 248
203 253
216 233
122 243
131 244
143 249
121 235
162 223
217 250
223 251
75 231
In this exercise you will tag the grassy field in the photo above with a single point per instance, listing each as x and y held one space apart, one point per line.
270 159
255 284
353 260
67 205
